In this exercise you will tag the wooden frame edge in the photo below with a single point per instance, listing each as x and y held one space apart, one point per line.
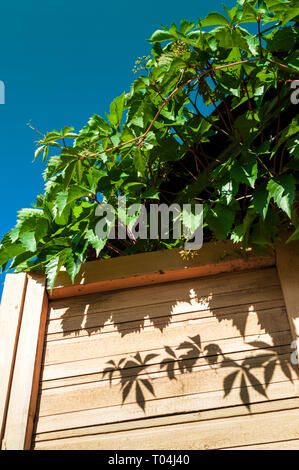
157 267
25 379
287 262
11 311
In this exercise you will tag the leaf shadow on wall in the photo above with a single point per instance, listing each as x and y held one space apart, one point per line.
243 333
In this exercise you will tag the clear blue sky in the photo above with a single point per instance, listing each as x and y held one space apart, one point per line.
61 62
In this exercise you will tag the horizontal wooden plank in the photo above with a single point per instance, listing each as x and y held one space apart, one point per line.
210 330
95 366
158 267
166 406
201 380
172 291
157 316
213 357
290 444
208 415
212 434
94 324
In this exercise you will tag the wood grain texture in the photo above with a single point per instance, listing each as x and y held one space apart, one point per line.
215 334
175 419
219 433
287 260
210 329
11 310
217 337
157 267
101 394
240 318
290 444
87 314
89 371
24 387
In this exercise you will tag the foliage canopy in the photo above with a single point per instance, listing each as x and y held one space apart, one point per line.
239 155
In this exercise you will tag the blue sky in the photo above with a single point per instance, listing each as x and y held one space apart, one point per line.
61 62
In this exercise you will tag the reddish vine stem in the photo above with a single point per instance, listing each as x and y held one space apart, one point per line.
142 137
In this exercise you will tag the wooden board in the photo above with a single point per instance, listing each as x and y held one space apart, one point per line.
219 433
157 267
287 259
240 318
175 419
200 351
90 314
24 387
11 311
101 394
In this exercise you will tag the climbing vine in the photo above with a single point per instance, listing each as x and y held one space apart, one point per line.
211 117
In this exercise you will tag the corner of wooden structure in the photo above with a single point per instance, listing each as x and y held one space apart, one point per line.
22 326
25 305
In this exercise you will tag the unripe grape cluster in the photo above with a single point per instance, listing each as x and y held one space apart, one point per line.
140 63
180 47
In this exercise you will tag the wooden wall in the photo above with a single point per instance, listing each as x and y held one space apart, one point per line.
193 364
154 352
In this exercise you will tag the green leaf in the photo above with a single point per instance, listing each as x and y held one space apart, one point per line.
213 19
98 124
140 162
38 151
237 234
53 267
96 242
245 172
68 196
220 219
161 35
9 251
282 190
28 241
261 199
116 111
186 26
151 193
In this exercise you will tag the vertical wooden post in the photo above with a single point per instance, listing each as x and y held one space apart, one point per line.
24 386
10 320
287 261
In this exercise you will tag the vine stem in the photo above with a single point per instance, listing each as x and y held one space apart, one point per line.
259 36
142 137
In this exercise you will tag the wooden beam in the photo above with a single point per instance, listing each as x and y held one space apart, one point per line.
157 267
10 320
24 386
287 261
